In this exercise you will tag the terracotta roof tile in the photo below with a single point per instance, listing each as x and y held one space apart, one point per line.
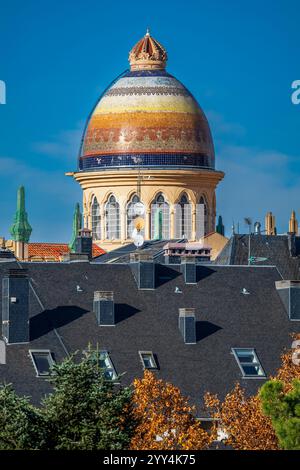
55 250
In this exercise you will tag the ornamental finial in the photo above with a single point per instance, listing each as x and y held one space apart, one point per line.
148 54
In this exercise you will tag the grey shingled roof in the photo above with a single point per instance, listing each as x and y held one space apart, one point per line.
62 318
275 248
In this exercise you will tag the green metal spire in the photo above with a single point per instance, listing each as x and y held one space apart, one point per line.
77 225
220 227
21 228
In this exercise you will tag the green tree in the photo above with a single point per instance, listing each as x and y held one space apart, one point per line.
85 410
283 407
21 424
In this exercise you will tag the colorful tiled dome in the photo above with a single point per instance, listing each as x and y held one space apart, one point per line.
148 118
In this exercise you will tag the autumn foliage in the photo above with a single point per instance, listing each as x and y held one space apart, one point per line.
165 419
241 418
242 421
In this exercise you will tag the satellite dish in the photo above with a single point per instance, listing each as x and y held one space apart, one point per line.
138 241
139 209
134 233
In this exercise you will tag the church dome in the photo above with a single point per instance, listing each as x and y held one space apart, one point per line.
146 117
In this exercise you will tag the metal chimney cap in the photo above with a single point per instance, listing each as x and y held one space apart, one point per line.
285 284
17 273
103 295
187 312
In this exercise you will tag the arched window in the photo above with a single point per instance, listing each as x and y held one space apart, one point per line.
96 220
183 218
202 217
131 215
112 219
160 218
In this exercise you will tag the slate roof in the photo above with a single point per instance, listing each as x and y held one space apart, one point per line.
62 319
281 251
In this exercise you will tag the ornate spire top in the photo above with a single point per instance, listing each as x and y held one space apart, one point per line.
148 54
77 225
21 229
293 224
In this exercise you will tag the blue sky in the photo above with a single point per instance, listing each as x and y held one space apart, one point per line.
237 57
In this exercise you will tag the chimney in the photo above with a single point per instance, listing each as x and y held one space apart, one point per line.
143 268
270 224
84 243
15 306
189 269
187 325
289 293
292 244
104 308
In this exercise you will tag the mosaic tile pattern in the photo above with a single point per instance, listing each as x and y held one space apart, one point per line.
150 114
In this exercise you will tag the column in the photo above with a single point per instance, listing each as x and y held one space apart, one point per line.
148 223
172 221
102 215
194 221
123 221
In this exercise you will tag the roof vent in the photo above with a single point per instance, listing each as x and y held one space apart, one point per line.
187 325
143 268
289 293
257 228
244 291
15 306
104 308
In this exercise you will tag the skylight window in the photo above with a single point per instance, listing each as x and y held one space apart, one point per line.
107 366
148 360
42 361
248 363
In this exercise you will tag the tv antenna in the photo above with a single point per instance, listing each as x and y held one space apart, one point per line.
248 221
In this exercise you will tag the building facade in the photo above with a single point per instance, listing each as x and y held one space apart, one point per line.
147 140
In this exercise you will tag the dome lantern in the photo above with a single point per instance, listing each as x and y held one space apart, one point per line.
148 54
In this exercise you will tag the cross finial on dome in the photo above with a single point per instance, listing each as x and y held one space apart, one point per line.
148 54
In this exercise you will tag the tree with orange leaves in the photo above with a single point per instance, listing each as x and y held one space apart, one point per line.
165 419
242 421
241 418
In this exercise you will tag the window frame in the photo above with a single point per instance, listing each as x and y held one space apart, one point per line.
240 363
114 379
152 358
46 352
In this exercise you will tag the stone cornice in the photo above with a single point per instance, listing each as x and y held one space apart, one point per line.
150 177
